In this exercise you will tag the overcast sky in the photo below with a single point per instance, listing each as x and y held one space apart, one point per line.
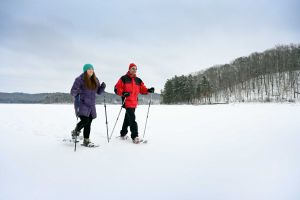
45 43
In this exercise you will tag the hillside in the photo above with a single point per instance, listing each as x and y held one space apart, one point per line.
273 75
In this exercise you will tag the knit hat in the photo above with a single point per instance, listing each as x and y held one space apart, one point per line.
87 66
131 65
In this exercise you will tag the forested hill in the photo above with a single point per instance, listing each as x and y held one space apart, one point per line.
272 75
66 98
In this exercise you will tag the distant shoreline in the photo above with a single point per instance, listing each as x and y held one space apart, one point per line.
66 98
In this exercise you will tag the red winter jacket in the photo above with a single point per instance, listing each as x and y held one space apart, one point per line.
134 86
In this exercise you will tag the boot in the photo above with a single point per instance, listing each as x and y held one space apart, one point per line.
136 140
125 137
75 133
88 143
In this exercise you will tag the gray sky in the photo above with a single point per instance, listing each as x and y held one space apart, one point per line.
44 44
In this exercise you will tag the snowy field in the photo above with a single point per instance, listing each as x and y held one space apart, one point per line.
213 152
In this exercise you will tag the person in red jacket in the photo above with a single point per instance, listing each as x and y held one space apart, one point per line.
129 87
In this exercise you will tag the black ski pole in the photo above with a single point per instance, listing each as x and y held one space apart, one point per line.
147 115
76 105
106 120
117 118
75 137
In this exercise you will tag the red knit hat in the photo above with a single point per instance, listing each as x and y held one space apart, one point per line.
131 65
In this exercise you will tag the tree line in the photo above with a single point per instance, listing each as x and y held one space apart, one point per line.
66 98
272 75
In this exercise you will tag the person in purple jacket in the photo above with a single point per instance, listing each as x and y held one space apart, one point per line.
84 91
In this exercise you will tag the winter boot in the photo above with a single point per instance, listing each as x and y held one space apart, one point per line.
75 133
88 143
136 140
125 137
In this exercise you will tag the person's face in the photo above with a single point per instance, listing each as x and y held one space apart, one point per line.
132 70
90 72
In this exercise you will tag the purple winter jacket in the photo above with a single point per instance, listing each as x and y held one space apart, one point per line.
87 97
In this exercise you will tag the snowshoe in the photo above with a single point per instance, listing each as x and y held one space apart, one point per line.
72 140
88 143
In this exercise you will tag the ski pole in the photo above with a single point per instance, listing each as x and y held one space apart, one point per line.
75 137
77 102
117 118
147 115
106 120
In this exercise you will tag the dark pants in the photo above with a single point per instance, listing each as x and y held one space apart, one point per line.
85 122
129 120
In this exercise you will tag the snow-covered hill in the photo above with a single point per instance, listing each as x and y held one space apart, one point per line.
234 152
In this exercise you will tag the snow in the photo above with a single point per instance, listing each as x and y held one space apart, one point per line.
235 151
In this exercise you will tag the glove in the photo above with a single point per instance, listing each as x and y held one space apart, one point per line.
126 94
103 85
151 90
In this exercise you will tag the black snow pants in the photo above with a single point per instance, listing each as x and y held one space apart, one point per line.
129 120
85 123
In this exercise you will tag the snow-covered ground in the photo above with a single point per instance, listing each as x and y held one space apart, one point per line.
213 152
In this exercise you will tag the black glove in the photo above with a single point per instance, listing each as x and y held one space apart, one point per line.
151 90
103 85
126 94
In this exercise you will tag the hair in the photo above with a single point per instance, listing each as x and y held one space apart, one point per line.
90 82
